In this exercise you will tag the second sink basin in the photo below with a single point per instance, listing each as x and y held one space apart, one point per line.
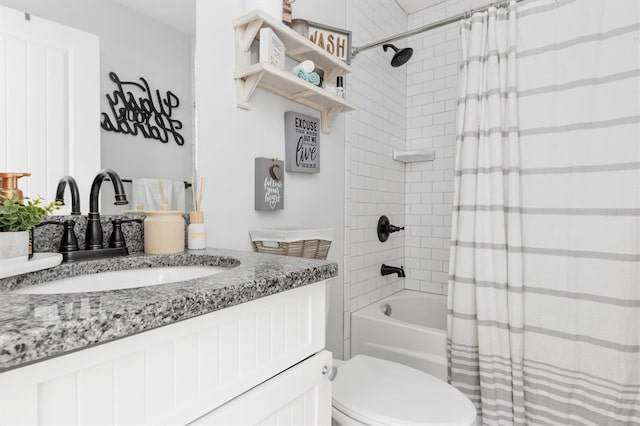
119 280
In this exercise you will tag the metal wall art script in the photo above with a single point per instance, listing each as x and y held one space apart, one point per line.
137 109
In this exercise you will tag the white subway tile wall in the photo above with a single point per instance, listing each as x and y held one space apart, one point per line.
410 107
375 183
432 88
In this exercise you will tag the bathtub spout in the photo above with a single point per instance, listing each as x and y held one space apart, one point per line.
386 270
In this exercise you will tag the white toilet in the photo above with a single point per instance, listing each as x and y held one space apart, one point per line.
373 391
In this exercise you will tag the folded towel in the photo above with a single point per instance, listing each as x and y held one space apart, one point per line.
306 66
302 75
145 192
314 78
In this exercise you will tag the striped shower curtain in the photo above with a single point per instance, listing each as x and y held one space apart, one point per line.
544 287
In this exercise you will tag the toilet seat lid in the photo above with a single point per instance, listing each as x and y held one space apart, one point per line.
380 392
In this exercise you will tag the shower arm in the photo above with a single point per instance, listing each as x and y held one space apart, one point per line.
356 50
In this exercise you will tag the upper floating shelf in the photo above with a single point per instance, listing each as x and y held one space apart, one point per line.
281 82
296 46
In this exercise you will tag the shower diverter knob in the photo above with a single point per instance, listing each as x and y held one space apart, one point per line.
385 228
331 372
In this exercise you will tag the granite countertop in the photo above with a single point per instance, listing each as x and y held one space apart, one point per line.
36 327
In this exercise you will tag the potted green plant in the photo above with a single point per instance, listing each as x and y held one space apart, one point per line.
17 218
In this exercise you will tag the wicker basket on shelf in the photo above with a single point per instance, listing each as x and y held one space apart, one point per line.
307 243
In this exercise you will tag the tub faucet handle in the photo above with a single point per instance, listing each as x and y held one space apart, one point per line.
385 228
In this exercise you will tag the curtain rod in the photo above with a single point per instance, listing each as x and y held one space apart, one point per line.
432 26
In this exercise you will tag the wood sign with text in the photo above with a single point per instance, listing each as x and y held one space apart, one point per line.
301 143
334 41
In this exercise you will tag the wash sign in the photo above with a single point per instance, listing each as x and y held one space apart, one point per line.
334 41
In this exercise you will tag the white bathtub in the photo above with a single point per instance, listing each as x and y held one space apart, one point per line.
414 333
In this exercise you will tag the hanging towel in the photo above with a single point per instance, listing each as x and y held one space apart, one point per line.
146 192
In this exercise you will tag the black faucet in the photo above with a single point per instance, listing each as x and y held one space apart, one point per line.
386 270
75 194
94 228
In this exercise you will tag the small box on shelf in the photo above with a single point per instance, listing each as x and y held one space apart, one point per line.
272 49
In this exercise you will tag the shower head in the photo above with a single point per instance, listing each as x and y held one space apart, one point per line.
401 56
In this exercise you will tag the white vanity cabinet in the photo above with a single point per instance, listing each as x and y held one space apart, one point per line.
258 362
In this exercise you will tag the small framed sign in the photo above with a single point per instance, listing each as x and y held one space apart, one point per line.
335 41
302 143
269 182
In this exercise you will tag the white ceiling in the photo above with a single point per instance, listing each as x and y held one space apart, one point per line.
179 14
413 6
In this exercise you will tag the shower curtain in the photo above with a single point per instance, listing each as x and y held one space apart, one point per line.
544 286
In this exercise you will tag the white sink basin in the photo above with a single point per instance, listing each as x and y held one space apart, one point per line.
118 280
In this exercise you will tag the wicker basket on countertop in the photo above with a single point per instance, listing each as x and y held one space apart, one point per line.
307 243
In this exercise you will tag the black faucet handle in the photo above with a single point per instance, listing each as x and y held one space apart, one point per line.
117 237
69 242
393 228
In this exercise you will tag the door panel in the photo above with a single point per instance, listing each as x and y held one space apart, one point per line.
49 103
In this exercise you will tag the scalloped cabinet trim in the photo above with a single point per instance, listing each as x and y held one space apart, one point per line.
283 83
181 372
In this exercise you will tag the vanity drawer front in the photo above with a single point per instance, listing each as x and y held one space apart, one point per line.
172 374
299 396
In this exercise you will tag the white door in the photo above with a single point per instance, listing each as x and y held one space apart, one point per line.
49 103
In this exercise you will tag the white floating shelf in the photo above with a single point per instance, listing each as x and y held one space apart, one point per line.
291 87
296 46
414 156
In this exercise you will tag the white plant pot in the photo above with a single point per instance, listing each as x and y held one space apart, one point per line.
14 247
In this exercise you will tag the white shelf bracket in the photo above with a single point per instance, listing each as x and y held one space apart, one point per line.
249 33
246 87
328 117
